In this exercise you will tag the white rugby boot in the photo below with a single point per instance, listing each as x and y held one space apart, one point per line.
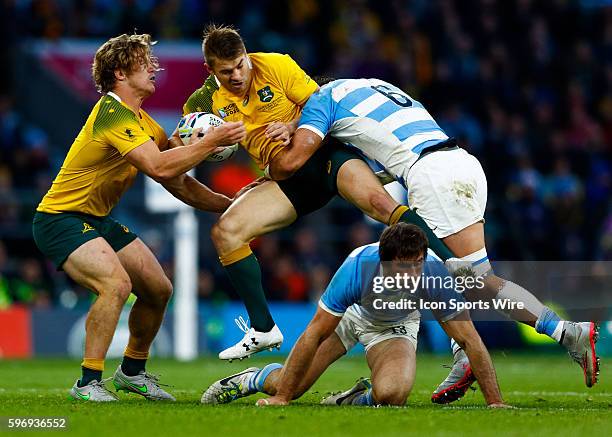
252 342
346 397
95 391
143 384
457 383
579 338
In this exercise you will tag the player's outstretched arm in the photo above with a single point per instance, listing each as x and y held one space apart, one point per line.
197 195
465 334
302 146
191 191
171 163
299 360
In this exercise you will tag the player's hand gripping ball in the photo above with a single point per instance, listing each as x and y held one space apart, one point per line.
204 120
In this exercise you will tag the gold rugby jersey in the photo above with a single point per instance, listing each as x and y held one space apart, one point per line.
279 88
95 173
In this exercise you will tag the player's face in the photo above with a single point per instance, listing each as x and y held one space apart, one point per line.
412 267
234 75
142 80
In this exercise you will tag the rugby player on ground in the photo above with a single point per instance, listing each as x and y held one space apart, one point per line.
352 311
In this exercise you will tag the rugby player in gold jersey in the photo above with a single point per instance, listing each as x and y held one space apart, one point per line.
73 228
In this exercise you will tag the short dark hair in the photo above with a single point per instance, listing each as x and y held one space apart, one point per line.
402 241
323 80
221 42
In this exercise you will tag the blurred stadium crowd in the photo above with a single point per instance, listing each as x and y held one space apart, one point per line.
524 85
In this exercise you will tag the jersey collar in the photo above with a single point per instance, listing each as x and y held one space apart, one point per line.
114 96
117 98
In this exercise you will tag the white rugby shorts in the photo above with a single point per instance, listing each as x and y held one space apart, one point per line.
354 328
448 189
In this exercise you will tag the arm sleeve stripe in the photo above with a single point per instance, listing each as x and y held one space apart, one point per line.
312 129
450 316
326 308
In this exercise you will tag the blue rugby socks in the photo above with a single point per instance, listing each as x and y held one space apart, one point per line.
364 399
258 380
550 323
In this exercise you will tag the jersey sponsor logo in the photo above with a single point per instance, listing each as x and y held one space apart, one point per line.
270 106
129 133
265 94
87 227
328 167
230 109
125 229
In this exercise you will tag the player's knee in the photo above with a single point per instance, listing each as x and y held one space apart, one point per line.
117 287
165 291
390 396
225 231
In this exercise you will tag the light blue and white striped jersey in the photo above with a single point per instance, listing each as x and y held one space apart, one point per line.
351 286
378 118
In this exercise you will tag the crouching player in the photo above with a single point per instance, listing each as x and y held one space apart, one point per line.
357 308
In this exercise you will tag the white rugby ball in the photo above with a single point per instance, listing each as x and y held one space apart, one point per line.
204 120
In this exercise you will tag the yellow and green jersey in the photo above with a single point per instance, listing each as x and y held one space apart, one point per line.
95 173
279 88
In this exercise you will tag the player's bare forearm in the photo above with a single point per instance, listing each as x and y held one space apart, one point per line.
292 125
301 357
303 145
297 364
465 335
178 160
483 369
197 195
320 328
163 166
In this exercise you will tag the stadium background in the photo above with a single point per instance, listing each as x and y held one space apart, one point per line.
526 86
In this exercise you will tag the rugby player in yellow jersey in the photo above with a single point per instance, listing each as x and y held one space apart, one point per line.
267 91
73 228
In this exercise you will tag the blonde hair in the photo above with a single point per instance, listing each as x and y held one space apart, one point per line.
124 52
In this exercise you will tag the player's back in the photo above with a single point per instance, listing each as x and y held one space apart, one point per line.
378 118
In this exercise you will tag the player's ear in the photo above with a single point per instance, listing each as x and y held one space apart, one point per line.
120 75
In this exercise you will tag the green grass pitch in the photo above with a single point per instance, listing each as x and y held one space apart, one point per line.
547 389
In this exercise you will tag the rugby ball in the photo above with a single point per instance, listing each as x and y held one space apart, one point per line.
204 120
